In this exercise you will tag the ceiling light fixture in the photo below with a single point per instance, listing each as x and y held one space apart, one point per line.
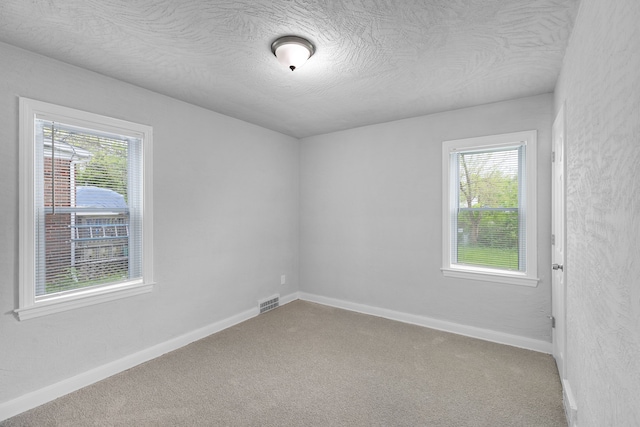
292 51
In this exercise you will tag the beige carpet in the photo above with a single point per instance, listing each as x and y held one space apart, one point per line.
305 364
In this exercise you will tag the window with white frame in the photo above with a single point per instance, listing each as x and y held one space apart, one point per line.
85 208
489 208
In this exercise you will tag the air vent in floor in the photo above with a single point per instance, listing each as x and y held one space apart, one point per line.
269 303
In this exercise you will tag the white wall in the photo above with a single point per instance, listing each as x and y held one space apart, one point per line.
226 225
371 219
600 83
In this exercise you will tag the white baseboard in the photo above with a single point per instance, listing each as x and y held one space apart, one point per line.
570 404
289 298
442 325
36 398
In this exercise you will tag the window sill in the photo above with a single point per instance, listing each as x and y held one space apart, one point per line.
60 303
491 276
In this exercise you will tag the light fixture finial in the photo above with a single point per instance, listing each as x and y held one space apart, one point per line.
292 51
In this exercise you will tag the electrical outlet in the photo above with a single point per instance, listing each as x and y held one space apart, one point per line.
283 279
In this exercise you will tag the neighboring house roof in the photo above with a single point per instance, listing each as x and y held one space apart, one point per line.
96 197
67 151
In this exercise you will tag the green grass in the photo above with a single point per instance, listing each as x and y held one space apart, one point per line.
71 282
506 259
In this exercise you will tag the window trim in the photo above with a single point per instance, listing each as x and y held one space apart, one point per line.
526 278
28 305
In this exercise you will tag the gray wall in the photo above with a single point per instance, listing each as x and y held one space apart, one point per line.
226 225
600 83
371 219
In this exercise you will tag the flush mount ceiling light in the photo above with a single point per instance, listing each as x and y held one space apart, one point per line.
292 51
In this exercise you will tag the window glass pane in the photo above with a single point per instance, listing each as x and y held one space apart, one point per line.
496 239
488 215
85 206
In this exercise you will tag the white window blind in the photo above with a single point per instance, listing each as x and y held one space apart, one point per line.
489 224
87 207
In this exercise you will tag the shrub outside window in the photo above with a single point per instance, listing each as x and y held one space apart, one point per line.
489 208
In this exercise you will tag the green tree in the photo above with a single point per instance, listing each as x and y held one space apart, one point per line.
106 171
107 167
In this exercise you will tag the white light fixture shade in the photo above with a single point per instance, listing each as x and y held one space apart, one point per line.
292 52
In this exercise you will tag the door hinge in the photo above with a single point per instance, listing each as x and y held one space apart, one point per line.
553 239
553 321
553 156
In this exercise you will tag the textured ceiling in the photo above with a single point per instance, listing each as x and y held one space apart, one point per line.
375 61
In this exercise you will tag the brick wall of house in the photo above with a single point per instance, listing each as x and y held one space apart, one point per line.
57 231
62 182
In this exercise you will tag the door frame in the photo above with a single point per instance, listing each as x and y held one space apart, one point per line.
558 248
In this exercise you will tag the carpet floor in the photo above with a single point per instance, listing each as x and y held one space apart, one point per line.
305 364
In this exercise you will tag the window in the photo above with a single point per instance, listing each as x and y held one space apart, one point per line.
489 208
85 209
